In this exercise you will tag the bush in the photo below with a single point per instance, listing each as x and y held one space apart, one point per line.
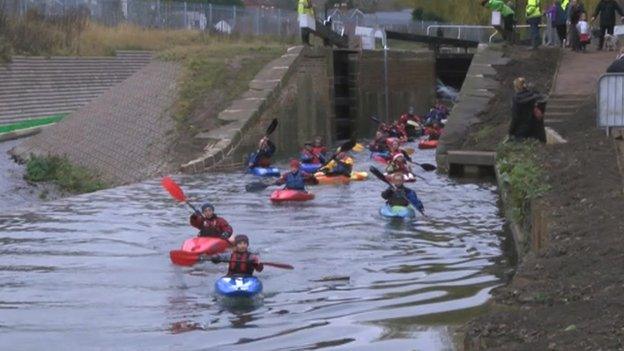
68 177
519 168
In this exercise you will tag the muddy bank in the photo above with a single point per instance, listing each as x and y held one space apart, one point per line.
568 295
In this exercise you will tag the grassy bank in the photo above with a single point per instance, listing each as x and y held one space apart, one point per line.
70 178
520 170
215 73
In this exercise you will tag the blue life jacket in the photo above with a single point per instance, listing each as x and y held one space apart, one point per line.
295 181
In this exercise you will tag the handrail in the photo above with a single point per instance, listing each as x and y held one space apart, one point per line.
519 26
456 26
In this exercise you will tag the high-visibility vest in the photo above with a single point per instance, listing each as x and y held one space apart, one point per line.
564 4
305 8
533 8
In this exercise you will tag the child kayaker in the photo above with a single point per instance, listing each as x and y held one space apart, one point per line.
342 164
434 131
318 148
399 195
398 164
379 143
296 178
262 156
411 130
241 261
211 225
309 155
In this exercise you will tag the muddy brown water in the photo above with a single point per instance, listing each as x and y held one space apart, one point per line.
92 272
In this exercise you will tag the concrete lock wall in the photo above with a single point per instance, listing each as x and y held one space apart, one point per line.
411 82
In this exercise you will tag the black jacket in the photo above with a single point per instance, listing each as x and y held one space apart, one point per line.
523 124
607 9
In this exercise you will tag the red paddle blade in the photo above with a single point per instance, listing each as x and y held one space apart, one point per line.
173 188
278 265
183 258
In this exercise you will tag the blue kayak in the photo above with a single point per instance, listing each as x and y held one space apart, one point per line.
238 286
310 167
264 171
382 154
397 211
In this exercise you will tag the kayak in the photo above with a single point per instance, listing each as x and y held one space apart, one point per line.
397 211
310 167
381 157
340 179
207 245
331 180
283 195
264 171
407 177
238 286
428 144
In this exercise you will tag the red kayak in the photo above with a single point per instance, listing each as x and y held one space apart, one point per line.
283 195
428 144
200 245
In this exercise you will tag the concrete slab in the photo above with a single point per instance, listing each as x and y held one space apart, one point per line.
473 158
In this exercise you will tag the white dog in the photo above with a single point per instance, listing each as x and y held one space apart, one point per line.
611 42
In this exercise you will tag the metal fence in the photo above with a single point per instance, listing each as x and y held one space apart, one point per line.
167 15
610 101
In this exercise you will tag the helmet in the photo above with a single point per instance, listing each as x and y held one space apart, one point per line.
295 163
398 156
240 238
207 205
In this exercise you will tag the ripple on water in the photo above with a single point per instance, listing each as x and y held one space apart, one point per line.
93 271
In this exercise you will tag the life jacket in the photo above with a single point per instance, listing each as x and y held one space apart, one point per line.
295 181
305 8
240 264
211 227
398 198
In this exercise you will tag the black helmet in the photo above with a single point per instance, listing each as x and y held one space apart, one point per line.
240 238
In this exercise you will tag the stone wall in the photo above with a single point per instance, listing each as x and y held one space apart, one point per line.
411 82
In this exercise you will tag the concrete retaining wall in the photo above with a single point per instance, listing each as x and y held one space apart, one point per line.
474 97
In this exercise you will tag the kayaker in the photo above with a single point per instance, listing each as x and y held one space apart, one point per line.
434 131
296 178
211 225
397 130
399 195
342 164
262 156
308 154
241 261
379 143
318 148
398 164
410 129
394 148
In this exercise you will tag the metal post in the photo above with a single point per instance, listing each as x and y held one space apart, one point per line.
185 16
257 21
210 15
279 22
233 18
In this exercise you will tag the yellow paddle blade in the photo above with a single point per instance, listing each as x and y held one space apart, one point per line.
358 147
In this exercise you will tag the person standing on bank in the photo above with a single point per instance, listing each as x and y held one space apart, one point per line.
606 9
527 119
307 20
561 20
506 13
575 11
534 18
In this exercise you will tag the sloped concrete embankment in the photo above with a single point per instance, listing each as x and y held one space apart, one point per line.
38 86
123 134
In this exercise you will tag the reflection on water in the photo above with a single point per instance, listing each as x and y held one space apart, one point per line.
92 272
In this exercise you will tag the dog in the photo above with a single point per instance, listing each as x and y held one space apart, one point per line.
611 42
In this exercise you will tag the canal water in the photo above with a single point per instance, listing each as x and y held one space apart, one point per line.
92 272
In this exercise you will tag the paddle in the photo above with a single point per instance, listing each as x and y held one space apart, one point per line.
375 119
425 166
175 191
381 177
185 258
258 186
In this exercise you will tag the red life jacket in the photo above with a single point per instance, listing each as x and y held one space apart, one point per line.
243 263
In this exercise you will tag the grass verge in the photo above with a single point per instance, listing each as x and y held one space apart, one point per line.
519 169
60 171
215 73
29 123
